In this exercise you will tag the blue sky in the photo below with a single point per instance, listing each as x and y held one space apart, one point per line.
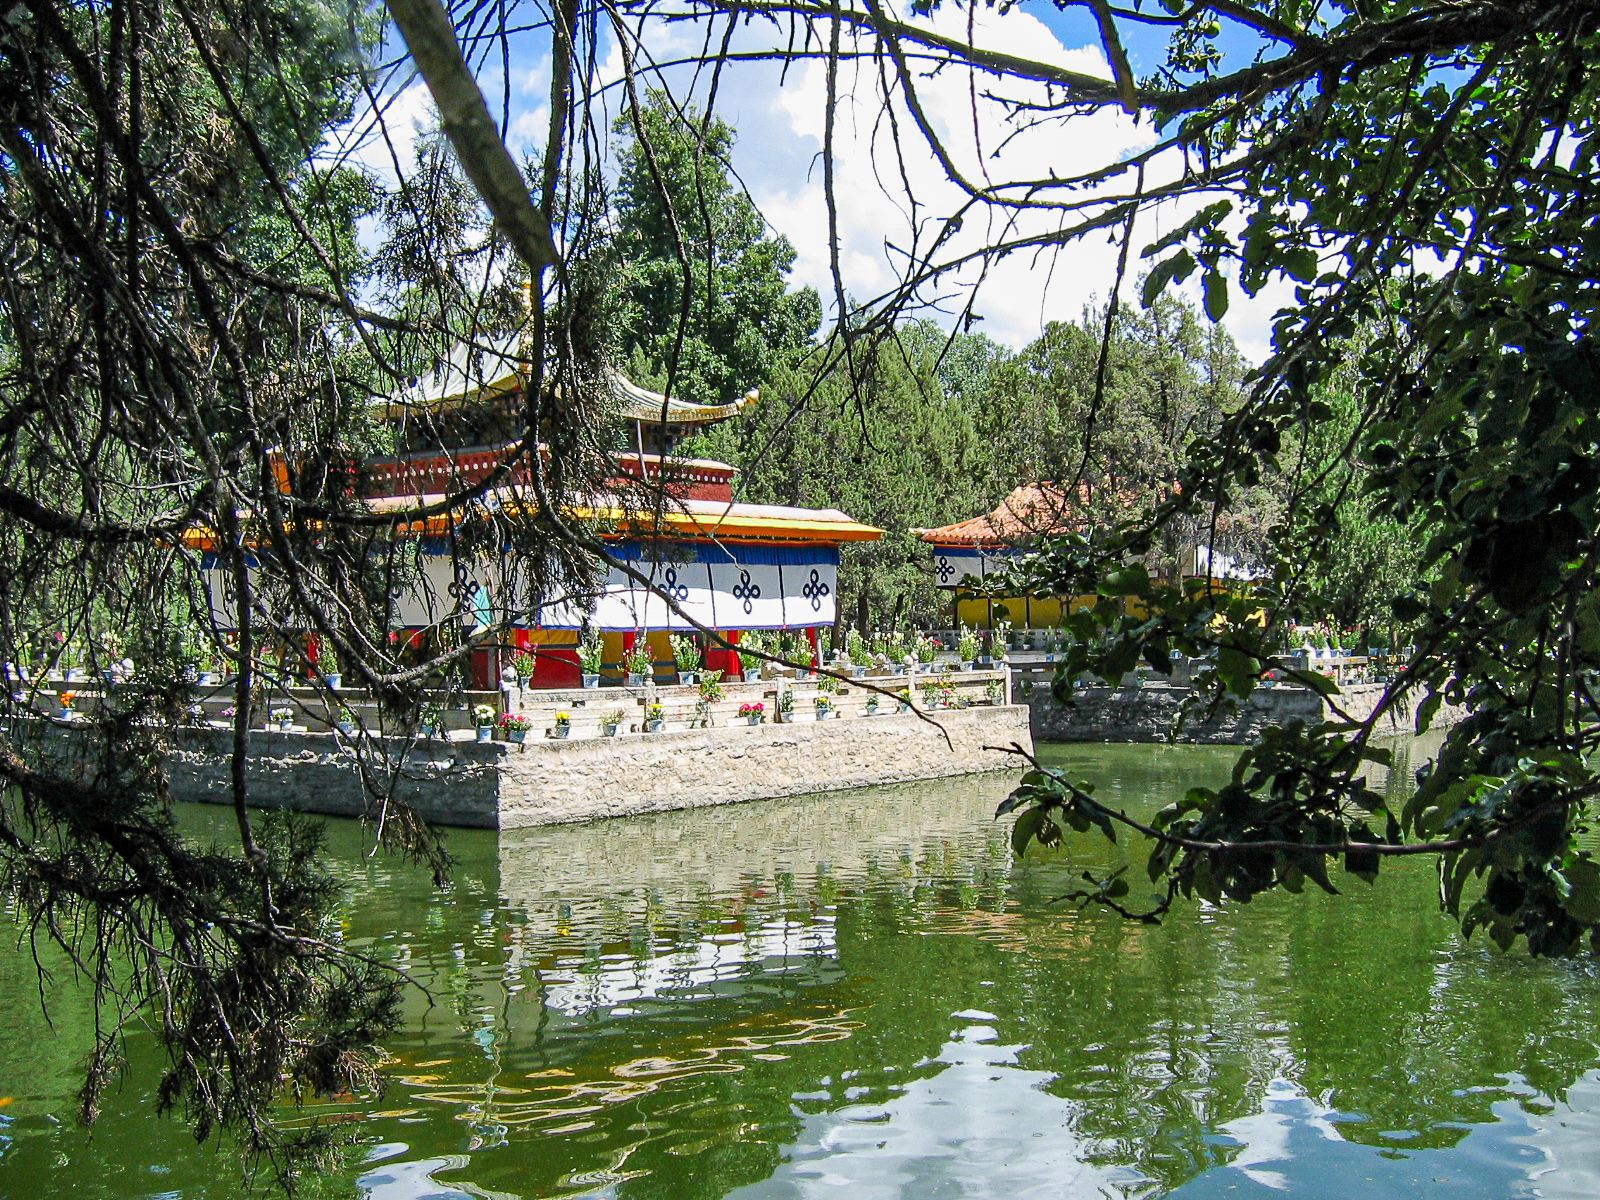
779 123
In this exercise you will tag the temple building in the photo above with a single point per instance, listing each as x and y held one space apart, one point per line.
732 566
968 553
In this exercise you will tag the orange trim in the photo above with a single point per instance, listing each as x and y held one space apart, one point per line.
716 526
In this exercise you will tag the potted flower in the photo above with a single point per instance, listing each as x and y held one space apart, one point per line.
686 656
591 657
872 705
328 665
756 642
967 647
514 727
711 690
904 696
792 648
283 718
210 675
430 721
66 699
655 718
562 727
993 690
859 653
927 651
786 706
753 712
345 721
637 663
824 707
612 719
483 721
1000 641
523 664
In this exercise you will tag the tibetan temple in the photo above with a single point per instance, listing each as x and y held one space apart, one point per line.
733 566
968 552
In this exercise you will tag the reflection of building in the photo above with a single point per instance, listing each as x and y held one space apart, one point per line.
730 566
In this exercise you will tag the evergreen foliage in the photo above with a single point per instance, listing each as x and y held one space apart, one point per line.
705 302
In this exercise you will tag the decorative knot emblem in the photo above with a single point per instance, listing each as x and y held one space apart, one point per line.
747 591
944 570
815 590
464 591
671 586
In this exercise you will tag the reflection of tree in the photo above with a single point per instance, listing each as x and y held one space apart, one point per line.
1157 1037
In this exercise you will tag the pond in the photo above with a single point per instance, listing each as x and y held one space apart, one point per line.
863 996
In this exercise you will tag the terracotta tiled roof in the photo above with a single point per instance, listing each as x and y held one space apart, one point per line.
1032 511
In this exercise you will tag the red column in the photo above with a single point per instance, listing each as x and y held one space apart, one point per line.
726 661
816 648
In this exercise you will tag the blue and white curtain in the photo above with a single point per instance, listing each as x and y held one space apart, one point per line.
721 587
966 566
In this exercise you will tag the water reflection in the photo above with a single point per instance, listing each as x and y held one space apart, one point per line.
863 995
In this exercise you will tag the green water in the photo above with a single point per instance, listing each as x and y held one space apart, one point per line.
861 996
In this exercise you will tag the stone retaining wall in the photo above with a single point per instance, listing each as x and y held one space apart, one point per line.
541 782
1146 714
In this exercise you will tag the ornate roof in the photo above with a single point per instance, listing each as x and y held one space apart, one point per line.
491 366
1030 512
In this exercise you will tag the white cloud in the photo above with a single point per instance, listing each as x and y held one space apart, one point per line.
781 134
779 117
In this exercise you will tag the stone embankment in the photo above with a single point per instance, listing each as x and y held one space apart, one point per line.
1149 712
547 780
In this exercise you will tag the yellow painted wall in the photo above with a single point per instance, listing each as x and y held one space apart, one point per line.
1027 612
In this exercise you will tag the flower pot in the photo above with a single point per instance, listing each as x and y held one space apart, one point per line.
753 719
985 660
335 680
688 678
904 707
858 672
285 726
609 728
966 666
635 679
562 731
64 714
206 678
486 733
591 681
753 676
76 675
516 735
654 726
425 731
346 728
524 682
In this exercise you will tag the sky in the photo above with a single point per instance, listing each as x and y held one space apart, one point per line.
779 121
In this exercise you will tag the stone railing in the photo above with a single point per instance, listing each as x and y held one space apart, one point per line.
318 710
